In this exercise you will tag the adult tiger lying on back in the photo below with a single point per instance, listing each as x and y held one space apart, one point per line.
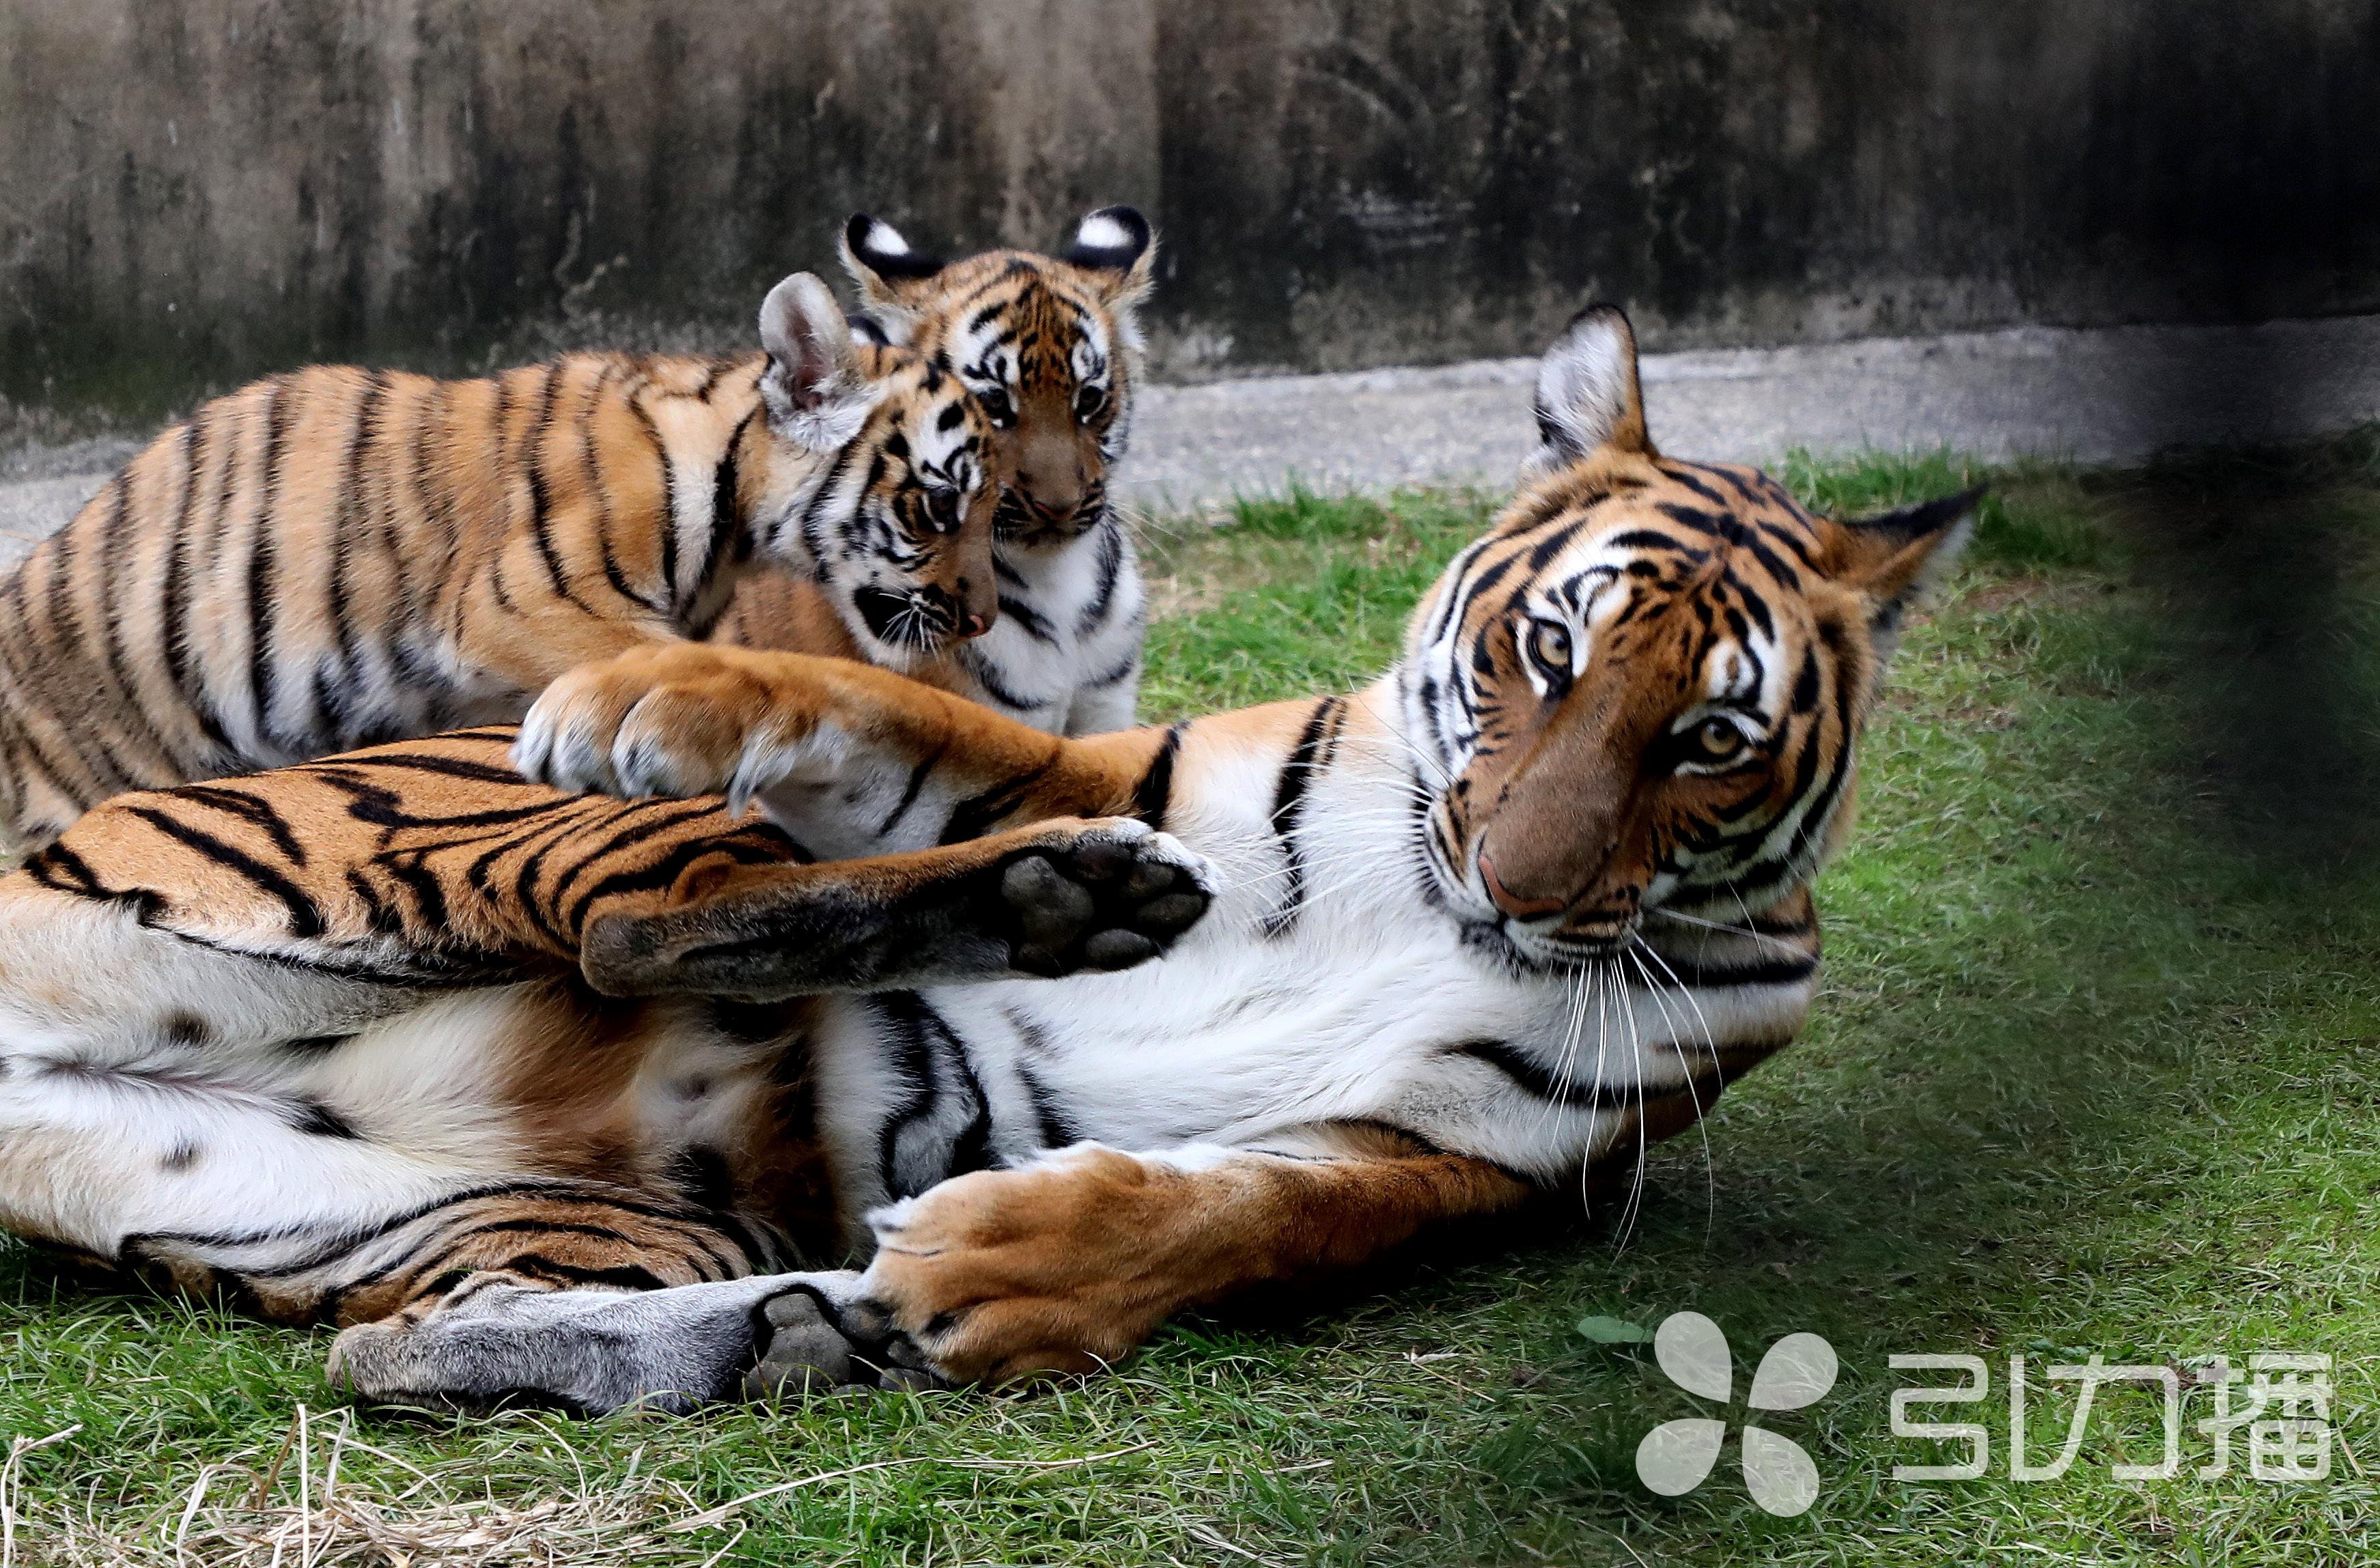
1050 345
1523 906
336 556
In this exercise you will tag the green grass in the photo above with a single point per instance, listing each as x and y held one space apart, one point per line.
2092 1072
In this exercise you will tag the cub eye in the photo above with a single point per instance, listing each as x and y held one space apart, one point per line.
1550 646
1089 401
996 407
944 508
1714 741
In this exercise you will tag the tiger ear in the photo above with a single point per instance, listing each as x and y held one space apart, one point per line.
894 280
1587 393
1893 558
1117 247
813 389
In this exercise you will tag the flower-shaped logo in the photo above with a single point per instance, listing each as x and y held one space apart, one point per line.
1677 1456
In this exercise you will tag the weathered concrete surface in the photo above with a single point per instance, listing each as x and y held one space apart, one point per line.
198 192
2094 395
2099 394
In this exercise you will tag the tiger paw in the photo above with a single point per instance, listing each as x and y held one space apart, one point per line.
1058 1266
1107 895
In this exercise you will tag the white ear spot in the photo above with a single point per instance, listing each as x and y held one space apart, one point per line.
883 239
1101 232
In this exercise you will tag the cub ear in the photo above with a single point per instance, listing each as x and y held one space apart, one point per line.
813 389
1117 245
1587 395
894 280
1894 557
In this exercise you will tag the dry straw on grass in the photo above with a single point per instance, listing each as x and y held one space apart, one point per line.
299 1512
289 1515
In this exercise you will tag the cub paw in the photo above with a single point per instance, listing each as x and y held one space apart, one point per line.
1108 897
677 718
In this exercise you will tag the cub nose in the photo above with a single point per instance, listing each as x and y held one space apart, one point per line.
1055 502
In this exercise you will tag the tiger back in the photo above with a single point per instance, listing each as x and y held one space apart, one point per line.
1050 346
337 556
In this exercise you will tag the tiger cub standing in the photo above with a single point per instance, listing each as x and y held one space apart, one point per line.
1050 346
339 556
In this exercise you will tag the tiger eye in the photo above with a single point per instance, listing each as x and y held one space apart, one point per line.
1718 739
1549 645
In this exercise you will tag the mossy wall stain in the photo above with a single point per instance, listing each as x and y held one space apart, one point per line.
198 193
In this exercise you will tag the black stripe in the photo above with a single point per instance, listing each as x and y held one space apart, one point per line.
915 786
305 918
1537 1080
360 442
173 624
1155 792
1761 972
669 502
726 526
541 502
262 602
972 817
1112 553
1053 1127
986 675
1027 617
612 573
113 591
257 812
1117 677
315 1119
1288 797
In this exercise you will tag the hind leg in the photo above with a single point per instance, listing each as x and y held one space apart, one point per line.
497 1337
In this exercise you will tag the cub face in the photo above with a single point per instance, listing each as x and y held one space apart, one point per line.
1046 345
895 523
1641 691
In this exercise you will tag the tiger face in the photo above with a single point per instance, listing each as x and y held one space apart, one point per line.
1640 691
896 526
1046 345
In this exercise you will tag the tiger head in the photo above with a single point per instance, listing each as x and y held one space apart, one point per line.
1046 345
1640 691
888 500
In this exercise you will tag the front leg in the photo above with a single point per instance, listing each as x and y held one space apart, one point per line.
1047 900
1067 1264
849 759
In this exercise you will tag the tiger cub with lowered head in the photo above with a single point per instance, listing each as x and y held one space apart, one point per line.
1527 902
1050 345
337 556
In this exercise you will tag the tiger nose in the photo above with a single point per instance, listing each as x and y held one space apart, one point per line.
1509 902
972 625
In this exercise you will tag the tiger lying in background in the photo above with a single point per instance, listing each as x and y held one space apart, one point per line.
356 1040
1050 348
337 556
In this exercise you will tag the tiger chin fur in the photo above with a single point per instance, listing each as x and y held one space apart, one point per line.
337 556
1050 348
1470 937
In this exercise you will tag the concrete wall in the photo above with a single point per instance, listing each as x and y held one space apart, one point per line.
195 191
